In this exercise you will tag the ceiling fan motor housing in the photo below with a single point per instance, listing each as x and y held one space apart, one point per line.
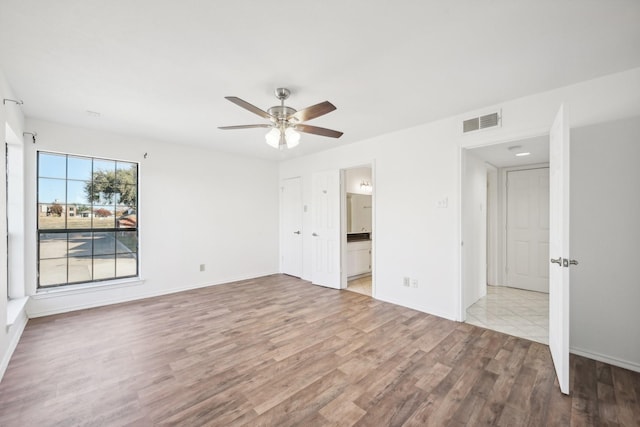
281 112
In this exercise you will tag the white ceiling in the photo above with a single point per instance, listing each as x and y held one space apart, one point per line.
161 69
504 155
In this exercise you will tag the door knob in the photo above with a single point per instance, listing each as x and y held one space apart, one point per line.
296 232
314 234
557 261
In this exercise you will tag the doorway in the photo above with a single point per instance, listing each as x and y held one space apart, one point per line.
357 222
505 211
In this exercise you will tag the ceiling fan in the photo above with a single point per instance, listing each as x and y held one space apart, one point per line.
286 122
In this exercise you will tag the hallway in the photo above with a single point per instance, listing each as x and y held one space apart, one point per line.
516 312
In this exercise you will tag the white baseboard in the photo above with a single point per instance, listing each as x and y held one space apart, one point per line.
632 366
15 332
34 311
418 307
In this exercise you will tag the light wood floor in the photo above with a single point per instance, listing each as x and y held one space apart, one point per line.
279 351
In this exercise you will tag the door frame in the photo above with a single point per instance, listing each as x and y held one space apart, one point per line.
462 312
343 224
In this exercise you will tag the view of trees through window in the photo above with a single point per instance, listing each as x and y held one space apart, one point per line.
87 219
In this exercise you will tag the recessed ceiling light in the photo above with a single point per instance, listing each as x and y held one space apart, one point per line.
522 154
93 113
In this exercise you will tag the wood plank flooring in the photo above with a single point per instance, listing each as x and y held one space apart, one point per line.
278 351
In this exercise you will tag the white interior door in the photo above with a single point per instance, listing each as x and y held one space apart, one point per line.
291 197
528 229
559 249
326 229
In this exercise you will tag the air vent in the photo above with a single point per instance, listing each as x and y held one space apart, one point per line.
471 125
490 120
482 122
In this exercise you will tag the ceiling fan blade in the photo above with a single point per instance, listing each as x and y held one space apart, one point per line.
244 104
265 125
313 111
318 131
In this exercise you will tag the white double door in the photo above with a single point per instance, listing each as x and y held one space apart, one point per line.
325 233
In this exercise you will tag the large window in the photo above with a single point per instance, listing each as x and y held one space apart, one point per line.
87 219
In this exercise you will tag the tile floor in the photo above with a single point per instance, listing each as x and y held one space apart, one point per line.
361 285
517 312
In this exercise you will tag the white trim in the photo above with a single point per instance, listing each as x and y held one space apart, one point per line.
427 310
632 366
76 154
14 308
461 311
83 288
374 229
14 332
122 299
494 257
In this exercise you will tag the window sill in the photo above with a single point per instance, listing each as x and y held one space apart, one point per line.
14 308
87 287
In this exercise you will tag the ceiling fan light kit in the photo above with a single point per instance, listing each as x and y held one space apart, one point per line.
286 123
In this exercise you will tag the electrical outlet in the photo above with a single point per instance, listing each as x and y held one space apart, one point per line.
201 267
414 283
406 282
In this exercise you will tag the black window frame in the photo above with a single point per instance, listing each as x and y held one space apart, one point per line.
93 230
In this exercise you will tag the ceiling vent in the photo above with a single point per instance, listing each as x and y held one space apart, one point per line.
482 122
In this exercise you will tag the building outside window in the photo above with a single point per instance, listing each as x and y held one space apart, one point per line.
87 219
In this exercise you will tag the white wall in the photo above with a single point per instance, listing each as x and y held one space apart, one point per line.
605 239
354 177
195 207
474 228
412 171
10 118
418 167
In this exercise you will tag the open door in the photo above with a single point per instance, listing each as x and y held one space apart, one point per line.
326 229
559 248
291 198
